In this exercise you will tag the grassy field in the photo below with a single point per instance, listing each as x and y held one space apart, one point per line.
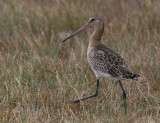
39 74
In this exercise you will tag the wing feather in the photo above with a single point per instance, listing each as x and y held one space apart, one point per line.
104 59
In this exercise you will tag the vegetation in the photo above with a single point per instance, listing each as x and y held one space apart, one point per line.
39 74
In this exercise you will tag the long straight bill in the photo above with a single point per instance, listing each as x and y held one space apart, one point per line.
78 31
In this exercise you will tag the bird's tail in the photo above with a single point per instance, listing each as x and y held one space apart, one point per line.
134 77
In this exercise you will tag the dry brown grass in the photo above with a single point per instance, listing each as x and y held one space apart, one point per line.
38 74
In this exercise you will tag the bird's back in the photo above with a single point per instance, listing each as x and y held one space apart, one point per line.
107 63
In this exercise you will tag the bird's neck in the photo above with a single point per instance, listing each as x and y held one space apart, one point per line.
96 36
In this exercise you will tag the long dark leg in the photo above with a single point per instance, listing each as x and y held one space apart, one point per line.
124 96
94 95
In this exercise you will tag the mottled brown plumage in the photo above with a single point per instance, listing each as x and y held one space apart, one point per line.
103 59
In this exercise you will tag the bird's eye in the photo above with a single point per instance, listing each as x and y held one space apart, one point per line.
92 19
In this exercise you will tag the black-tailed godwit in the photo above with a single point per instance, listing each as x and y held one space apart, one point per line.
105 62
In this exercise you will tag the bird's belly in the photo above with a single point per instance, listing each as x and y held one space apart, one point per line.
100 74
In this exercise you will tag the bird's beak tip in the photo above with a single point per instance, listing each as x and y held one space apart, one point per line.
78 31
64 40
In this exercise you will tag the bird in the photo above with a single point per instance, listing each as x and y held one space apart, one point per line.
105 62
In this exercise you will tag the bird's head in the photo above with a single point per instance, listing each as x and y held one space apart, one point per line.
94 22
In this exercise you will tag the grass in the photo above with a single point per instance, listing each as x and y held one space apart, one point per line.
39 75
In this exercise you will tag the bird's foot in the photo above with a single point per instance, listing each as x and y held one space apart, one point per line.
74 101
